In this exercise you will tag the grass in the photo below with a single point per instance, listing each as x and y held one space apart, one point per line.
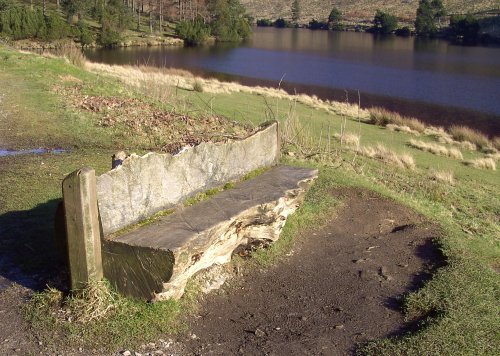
457 310
99 317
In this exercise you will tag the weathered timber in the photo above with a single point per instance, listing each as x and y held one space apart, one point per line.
82 227
155 261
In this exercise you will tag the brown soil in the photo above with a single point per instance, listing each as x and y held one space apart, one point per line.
340 288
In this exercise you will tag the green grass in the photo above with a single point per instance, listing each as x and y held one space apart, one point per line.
458 308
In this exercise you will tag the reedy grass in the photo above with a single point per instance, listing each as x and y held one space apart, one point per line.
436 149
482 163
383 117
382 153
442 176
464 133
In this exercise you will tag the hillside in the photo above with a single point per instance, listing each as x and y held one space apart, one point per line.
358 10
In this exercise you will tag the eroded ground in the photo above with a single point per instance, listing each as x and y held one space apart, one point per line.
340 288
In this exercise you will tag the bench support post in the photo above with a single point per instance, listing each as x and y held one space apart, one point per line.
82 227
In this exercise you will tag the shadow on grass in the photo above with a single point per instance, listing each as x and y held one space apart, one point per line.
432 259
29 254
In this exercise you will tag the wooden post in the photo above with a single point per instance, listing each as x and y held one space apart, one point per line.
82 227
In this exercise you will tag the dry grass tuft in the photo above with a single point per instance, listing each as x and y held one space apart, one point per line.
383 117
435 149
496 142
495 156
144 76
464 133
406 129
348 139
482 163
442 176
198 86
383 154
72 54
295 133
91 303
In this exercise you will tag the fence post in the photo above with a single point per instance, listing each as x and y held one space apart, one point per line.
82 227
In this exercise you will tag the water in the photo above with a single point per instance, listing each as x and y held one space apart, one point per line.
31 151
431 79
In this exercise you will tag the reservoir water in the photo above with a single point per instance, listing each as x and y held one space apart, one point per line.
434 80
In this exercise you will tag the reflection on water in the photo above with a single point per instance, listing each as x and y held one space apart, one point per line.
390 71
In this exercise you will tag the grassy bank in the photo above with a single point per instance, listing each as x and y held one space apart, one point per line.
48 102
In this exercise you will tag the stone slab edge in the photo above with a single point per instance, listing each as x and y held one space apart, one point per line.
142 186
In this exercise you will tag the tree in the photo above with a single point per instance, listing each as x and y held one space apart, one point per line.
429 14
295 11
115 18
76 8
228 23
335 20
384 23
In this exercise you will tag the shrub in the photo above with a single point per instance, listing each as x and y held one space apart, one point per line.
109 37
85 36
281 23
264 23
57 28
404 31
317 25
192 32
464 27
384 22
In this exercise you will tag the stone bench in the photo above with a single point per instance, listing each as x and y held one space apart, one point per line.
154 261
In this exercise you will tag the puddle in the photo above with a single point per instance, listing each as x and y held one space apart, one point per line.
32 151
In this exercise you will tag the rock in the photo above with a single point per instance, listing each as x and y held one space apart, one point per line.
126 353
140 263
259 333
384 274
142 186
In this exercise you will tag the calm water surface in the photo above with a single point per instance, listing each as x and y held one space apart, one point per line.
431 79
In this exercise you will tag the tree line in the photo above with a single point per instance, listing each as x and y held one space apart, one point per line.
431 20
50 20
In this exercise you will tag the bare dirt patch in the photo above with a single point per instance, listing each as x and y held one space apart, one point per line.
339 289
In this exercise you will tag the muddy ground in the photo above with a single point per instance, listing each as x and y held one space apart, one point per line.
339 288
